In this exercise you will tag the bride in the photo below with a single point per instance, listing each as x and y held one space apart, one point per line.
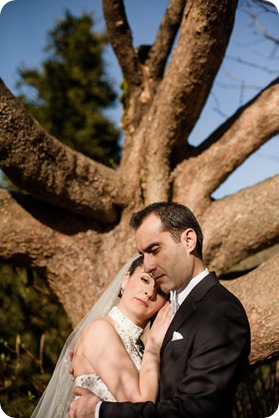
108 356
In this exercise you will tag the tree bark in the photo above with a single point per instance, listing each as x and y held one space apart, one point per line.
71 222
241 225
227 148
261 285
77 256
63 177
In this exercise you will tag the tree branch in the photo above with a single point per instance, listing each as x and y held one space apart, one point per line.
121 40
204 34
247 221
61 246
41 165
262 308
162 46
263 32
227 148
252 116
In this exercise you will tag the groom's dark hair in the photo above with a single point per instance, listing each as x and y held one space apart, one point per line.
175 218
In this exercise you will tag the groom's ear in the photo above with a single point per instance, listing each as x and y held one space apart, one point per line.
189 239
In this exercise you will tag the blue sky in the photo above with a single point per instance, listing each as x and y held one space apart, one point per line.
23 34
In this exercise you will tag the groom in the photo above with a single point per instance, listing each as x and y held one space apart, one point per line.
208 341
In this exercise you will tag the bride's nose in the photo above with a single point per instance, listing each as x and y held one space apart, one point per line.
150 292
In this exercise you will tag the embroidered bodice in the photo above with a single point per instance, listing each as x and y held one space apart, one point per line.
129 334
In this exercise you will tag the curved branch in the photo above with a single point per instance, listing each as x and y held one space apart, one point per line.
162 46
204 34
258 291
247 221
228 147
64 248
76 255
49 240
250 120
50 171
120 38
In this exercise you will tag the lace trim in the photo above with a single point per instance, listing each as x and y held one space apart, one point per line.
124 326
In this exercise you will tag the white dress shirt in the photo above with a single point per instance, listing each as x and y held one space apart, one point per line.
186 289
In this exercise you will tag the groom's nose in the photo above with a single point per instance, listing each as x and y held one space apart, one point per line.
148 264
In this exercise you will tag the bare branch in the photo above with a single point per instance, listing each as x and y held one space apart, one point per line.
204 35
228 147
247 221
262 308
251 64
41 165
205 31
263 32
162 46
120 37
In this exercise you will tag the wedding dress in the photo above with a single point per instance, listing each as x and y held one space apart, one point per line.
56 399
129 334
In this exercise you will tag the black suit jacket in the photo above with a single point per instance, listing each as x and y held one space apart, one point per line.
200 371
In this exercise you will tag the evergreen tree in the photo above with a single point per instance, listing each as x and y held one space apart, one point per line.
71 91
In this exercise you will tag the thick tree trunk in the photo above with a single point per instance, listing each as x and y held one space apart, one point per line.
71 225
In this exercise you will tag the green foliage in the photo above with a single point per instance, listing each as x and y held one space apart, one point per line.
71 91
258 393
34 328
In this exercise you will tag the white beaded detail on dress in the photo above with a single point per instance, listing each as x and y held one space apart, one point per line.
129 334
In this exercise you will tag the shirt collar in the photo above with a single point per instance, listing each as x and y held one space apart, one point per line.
183 292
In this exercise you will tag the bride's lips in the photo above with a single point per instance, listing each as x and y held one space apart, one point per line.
142 302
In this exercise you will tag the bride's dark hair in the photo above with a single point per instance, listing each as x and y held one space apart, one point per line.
138 262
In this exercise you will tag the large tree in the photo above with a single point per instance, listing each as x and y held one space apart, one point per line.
72 223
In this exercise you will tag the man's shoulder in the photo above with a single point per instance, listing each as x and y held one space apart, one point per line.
221 294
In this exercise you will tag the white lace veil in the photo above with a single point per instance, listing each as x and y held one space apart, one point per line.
55 400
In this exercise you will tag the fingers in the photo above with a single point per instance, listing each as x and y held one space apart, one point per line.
79 391
71 353
84 406
71 370
165 311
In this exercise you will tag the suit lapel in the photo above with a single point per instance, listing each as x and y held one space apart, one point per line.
188 307
184 312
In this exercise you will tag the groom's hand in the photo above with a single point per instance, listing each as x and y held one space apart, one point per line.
84 406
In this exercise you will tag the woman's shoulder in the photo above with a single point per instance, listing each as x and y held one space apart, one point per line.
101 326
96 334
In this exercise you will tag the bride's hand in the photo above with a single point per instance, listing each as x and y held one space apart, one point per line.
160 325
